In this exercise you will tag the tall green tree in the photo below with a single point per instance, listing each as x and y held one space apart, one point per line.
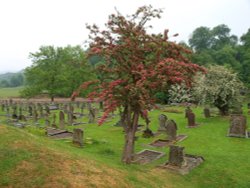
56 71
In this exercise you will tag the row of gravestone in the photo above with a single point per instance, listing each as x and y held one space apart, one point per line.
23 111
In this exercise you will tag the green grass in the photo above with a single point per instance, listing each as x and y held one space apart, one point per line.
227 160
10 92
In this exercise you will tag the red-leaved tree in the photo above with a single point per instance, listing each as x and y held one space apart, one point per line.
137 65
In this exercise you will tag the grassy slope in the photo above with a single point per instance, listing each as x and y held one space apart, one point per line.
28 154
10 92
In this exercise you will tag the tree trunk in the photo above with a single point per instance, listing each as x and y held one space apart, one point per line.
130 129
52 98
224 111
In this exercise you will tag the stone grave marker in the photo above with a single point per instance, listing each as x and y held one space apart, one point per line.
180 162
238 126
70 118
206 112
162 122
176 156
146 156
61 120
92 114
54 120
187 111
191 120
171 129
78 137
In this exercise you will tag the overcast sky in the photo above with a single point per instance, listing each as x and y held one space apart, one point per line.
28 24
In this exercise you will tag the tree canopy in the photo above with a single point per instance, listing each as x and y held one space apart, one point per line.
137 65
56 71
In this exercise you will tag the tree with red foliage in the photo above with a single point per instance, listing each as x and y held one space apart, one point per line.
137 65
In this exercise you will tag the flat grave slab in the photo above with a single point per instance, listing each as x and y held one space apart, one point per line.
78 123
147 156
191 161
64 135
53 131
165 142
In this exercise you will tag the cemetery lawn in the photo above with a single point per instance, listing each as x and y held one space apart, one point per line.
29 159
10 92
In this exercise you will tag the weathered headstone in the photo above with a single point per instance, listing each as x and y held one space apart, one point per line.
54 121
206 113
191 119
30 110
162 122
187 111
70 118
35 116
238 126
61 120
176 156
171 129
92 114
47 109
78 137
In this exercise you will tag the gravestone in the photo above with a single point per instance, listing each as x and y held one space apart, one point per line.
206 113
77 104
162 122
238 126
82 108
78 137
70 118
180 162
187 111
47 109
61 120
191 119
171 129
92 115
35 116
65 108
30 110
47 121
176 156
54 121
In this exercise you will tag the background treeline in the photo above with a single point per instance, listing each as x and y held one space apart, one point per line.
12 79
217 46
58 71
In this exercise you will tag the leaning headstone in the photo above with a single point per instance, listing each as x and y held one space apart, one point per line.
78 137
61 120
162 122
238 126
191 120
176 156
171 129
206 113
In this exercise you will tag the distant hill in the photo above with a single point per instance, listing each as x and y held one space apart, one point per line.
11 79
